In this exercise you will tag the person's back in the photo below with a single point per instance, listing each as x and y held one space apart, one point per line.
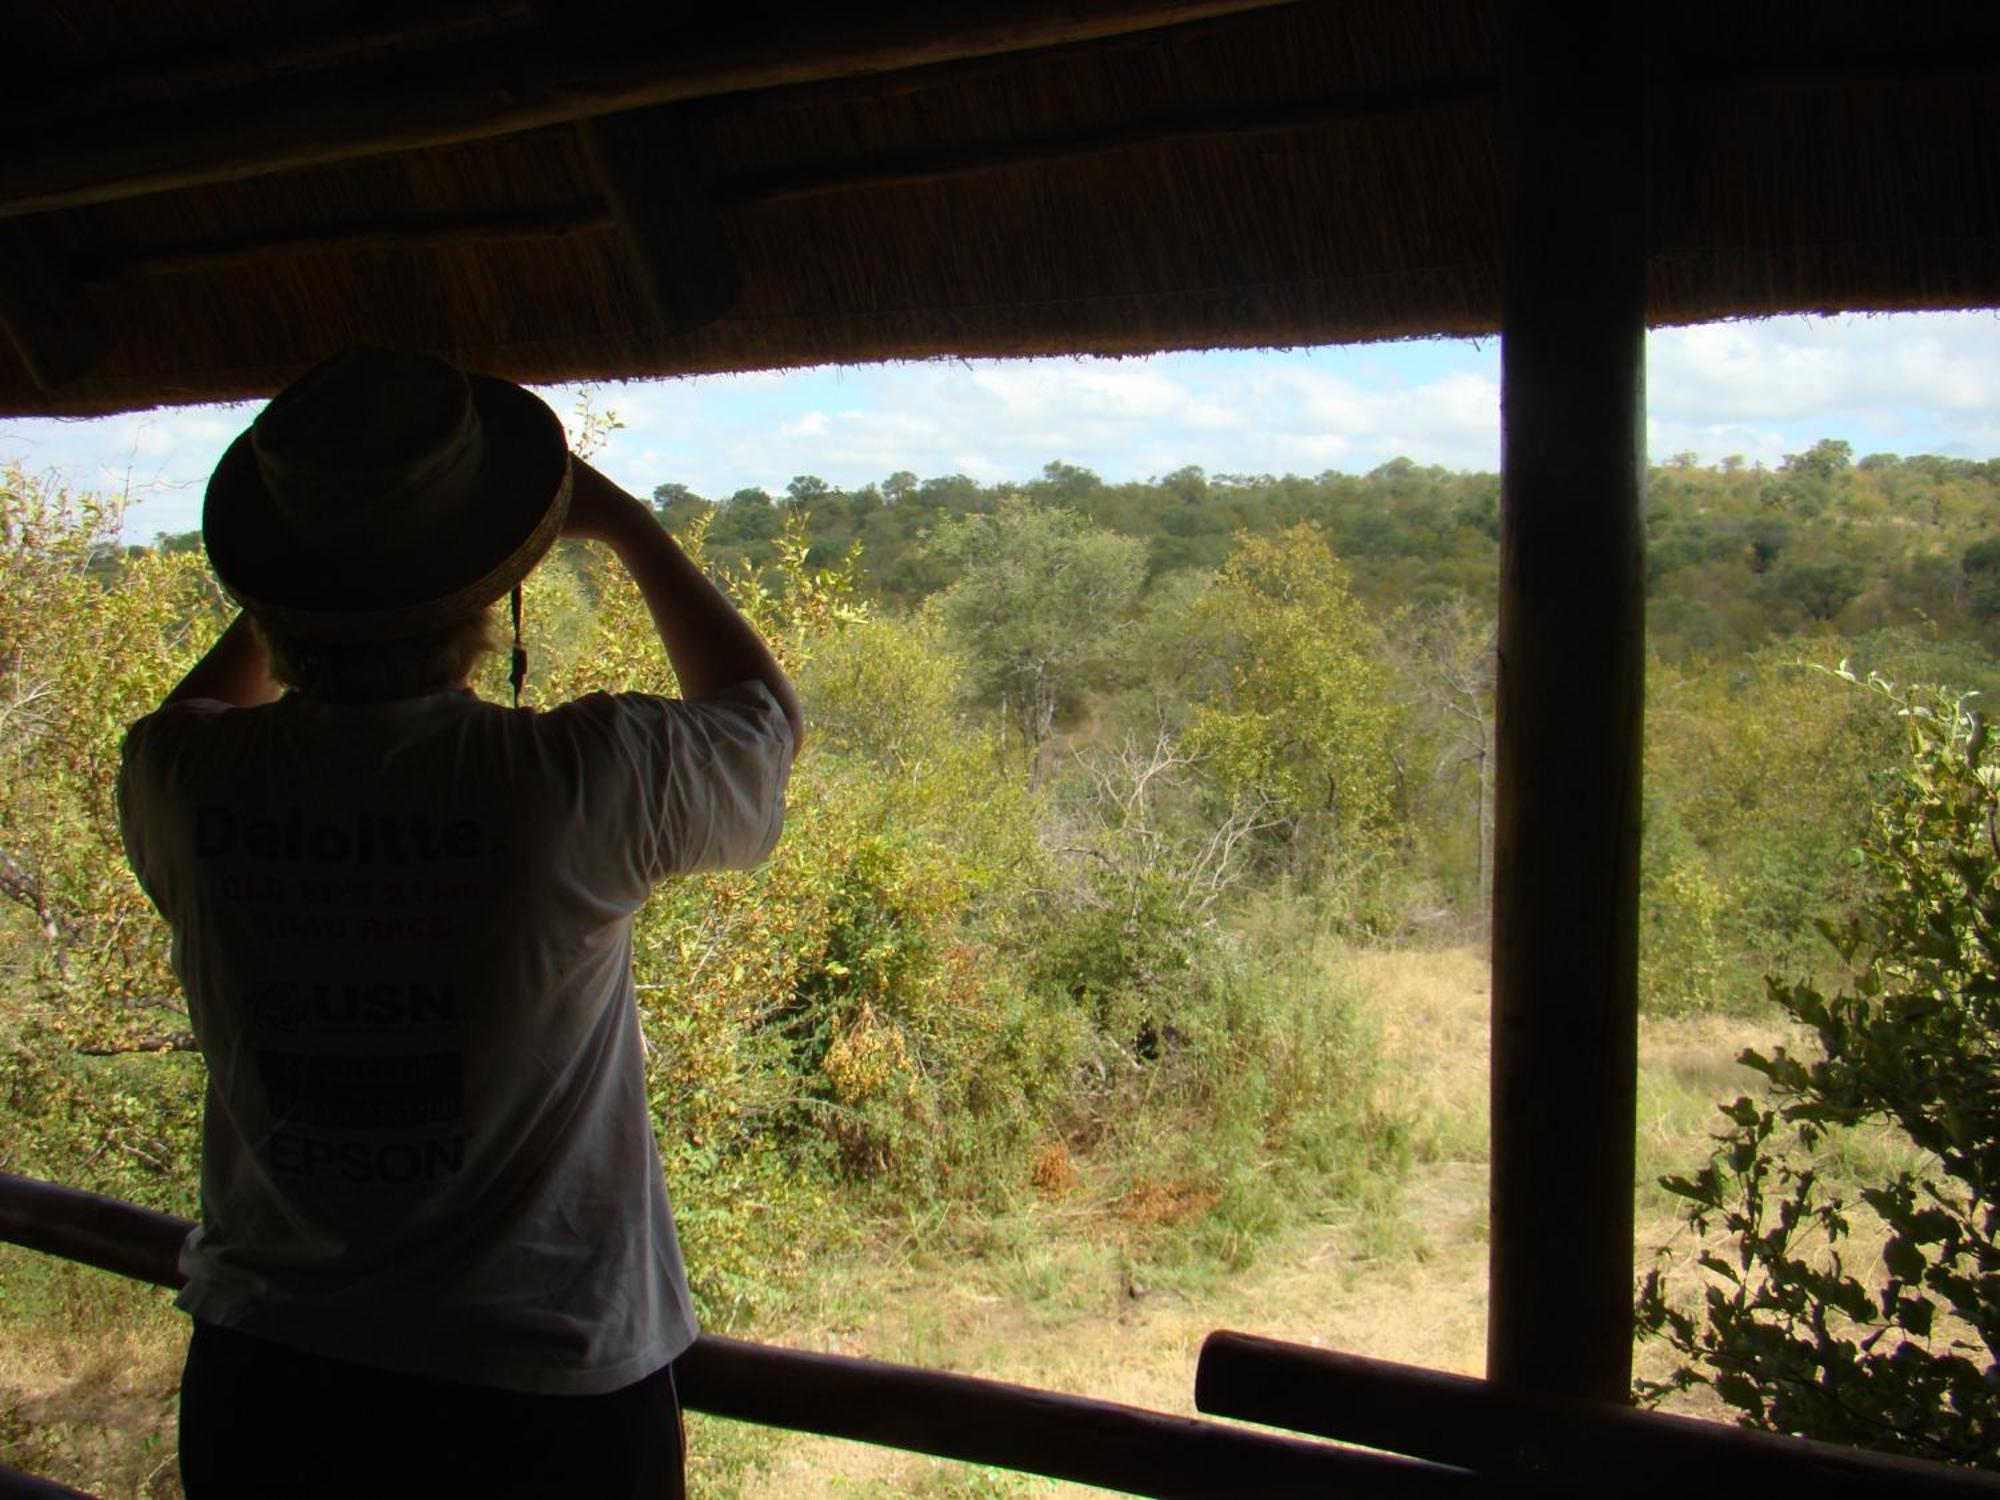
429 1178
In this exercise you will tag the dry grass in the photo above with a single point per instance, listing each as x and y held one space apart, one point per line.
1431 1006
1408 1283
1055 1298
90 1378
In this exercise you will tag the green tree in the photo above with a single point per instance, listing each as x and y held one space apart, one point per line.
676 505
1447 660
1759 784
804 489
177 541
1847 1303
746 526
1822 589
1304 722
1038 609
1981 566
1768 536
1065 484
1825 459
82 654
86 647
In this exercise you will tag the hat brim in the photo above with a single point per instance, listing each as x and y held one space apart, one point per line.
392 592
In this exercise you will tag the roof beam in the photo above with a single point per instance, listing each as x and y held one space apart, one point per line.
156 75
46 312
665 215
517 83
373 237
624 146
1356 106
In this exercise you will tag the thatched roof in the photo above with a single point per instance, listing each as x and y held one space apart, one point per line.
200 196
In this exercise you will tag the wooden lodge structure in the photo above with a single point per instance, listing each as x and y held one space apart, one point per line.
200 197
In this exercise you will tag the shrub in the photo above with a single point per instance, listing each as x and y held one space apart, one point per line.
91 637
1758 789
1855 1295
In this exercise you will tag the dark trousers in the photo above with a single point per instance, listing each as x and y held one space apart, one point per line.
264 1419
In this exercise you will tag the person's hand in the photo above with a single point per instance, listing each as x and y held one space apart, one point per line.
712 647
599 511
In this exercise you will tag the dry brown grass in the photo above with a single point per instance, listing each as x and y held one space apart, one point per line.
1413 1290
1431 1006
1066 1307
88 1385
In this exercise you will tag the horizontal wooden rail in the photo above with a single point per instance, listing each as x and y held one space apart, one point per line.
102 1232
864 1400
1575 1446
14 1485
1040 1432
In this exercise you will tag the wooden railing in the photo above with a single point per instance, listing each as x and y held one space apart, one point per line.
924 1411
1574 1447
1460 1435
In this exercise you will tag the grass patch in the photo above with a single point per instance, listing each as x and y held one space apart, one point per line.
89 1387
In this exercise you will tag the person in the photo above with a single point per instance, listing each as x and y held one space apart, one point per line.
435 1253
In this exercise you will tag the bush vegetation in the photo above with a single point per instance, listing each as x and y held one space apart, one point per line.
1854 1287
1098 773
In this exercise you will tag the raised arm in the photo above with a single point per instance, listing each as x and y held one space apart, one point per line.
235 670
710 645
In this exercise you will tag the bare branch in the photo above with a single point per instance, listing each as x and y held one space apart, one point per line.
174 1041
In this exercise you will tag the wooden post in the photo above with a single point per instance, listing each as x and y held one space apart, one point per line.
1565 918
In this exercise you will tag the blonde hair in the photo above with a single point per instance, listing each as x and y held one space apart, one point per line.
379 671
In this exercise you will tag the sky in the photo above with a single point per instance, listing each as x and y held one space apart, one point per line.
1898 383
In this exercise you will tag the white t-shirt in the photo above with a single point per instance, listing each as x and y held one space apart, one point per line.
405 933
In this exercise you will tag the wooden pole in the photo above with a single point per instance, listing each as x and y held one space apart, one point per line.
113 1236
517 83
1565 908
164 74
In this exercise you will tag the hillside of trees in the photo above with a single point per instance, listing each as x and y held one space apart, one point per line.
1202 696
1738 554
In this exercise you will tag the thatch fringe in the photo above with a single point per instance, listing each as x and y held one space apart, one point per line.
1293 175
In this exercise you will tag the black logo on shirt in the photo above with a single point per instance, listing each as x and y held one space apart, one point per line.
286 1005
361 839
363 1092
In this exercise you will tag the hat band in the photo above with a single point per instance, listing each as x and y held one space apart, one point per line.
353 626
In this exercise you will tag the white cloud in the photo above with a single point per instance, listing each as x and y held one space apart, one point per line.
1865 373
979 466
1899 384
1308 453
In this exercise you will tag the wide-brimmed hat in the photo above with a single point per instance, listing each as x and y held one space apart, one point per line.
385 494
